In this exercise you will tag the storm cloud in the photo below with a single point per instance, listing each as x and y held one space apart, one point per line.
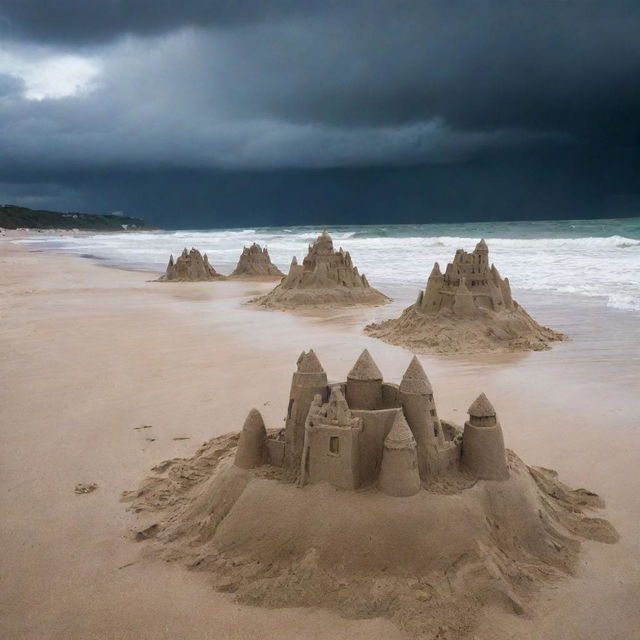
89 90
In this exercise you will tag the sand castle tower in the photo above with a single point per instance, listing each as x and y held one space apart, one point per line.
331 447
416 398
364 384
308 381
325 278
252 451
467 309
190 266
399 474
429 299
463 302
482 443
256 262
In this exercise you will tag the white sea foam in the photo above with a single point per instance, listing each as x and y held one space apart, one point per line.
606 267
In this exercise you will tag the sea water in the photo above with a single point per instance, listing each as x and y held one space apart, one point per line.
596 259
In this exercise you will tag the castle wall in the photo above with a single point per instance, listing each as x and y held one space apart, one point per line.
375 428
364 394
333 456
390 398
304 387
275 451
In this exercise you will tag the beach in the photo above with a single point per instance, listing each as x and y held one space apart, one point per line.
106 374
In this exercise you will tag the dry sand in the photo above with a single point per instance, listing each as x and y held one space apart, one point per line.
89 355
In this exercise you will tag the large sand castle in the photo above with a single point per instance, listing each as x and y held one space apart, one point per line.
326 278
467 309
190 266
368 503
255 263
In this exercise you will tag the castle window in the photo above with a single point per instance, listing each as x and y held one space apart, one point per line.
334 444
435 430
433 412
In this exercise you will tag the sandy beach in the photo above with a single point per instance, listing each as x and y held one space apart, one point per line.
89 354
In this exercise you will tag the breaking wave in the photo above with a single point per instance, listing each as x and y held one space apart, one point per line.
594 259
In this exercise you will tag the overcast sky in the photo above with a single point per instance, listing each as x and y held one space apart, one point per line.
261 111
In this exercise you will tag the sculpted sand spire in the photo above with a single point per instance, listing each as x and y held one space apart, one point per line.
399 470
255 263
252 450
326 278
467 309
190 266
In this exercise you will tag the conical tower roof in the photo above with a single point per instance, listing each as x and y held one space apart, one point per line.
309 363
365 368
400 436
435 271
481 407
254 422
415 379
482 245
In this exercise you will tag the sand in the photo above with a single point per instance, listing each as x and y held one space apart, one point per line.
190 266
429 562
445 333
326 279
89 355
468 309
255 264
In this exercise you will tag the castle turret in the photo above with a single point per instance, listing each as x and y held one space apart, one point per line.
416 398
430 301
308 381
482 252
399 469
364 384
252 446
483 451
463 302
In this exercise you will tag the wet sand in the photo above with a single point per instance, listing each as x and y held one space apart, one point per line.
89 353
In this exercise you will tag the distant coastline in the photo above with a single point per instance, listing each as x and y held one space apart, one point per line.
15 217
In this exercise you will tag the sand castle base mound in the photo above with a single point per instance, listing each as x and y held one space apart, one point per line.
428 562
485 331
295 299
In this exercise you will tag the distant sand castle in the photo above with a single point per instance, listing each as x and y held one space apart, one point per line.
325 278
369 504
469 308
190 266
255 262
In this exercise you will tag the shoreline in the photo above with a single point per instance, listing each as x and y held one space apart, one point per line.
75 395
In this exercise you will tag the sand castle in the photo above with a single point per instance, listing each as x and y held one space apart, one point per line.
368 503
190 266
326 278
255 263
467 309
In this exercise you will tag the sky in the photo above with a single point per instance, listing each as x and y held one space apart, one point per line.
210 113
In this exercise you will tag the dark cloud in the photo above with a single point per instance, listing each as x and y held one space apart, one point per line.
71 22
266 85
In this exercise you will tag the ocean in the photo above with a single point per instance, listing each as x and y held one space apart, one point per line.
596 259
